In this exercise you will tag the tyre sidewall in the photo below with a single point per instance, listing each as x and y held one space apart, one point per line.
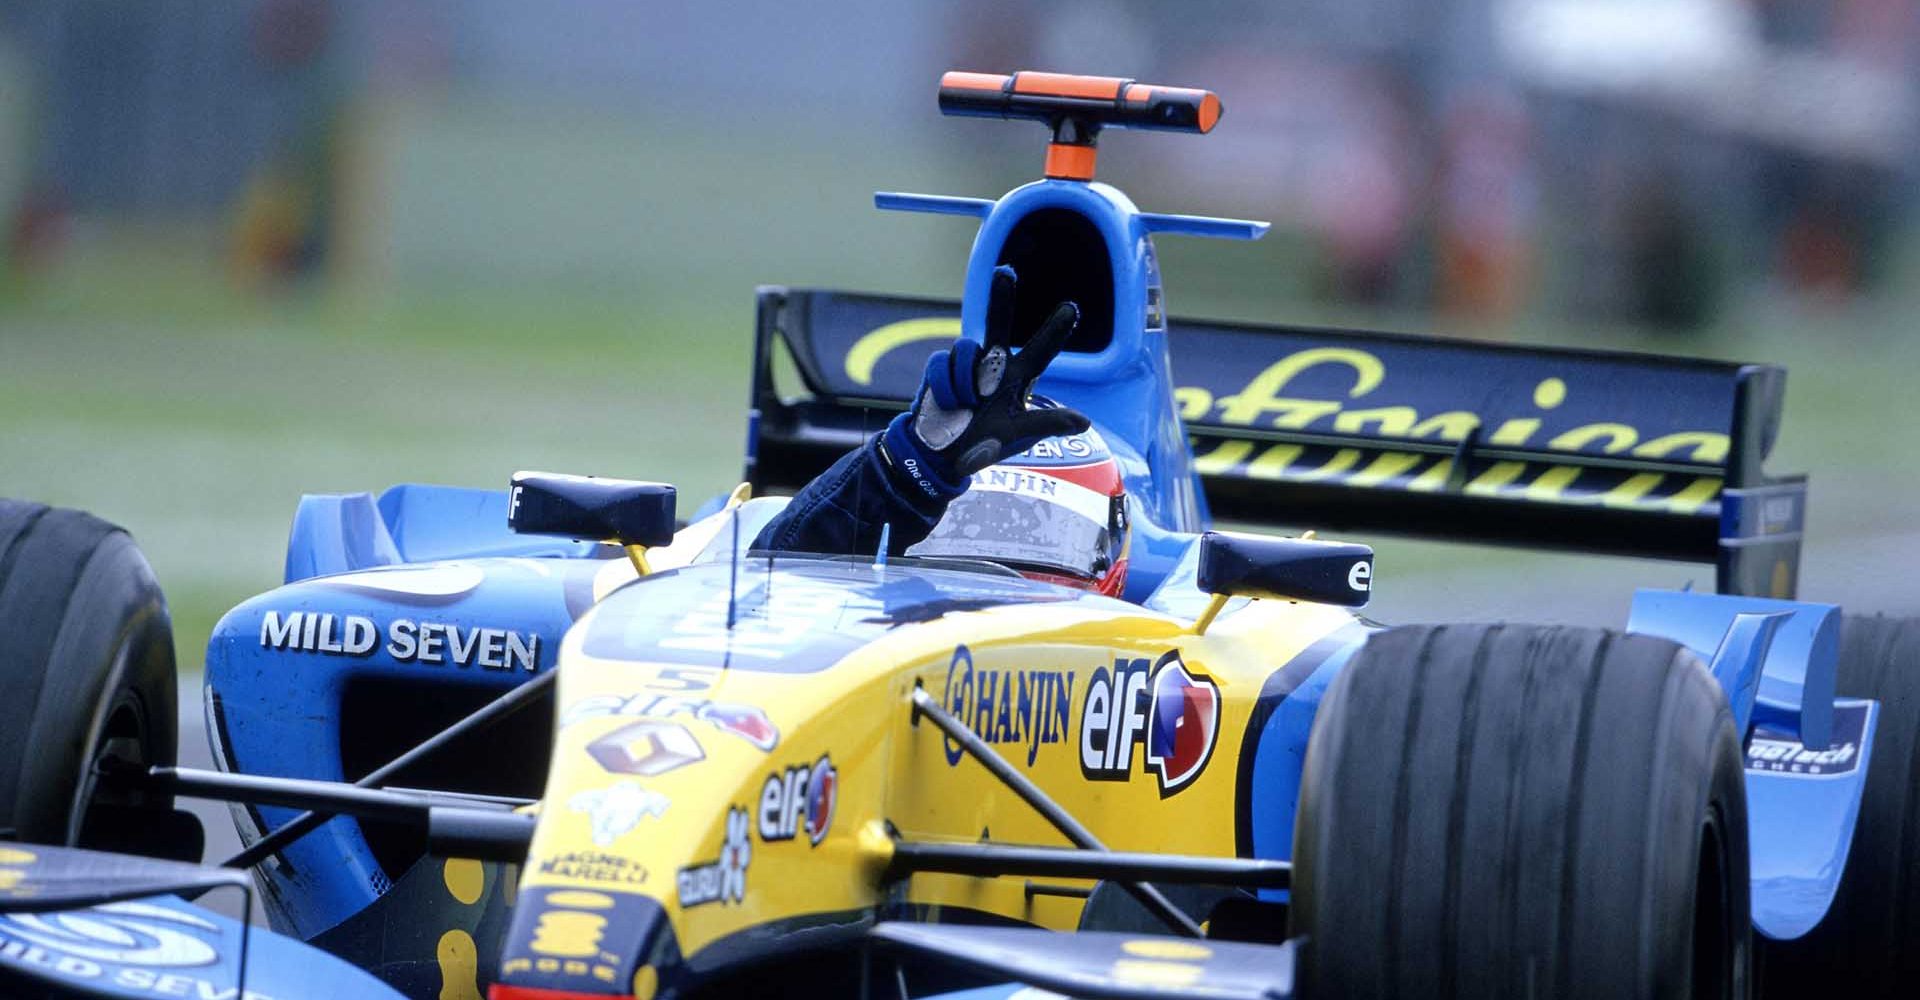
113 652
1650 771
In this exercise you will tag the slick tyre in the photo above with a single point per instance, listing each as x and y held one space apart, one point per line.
1866 947
1519 811
86 667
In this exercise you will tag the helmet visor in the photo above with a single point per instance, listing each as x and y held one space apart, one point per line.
1021 518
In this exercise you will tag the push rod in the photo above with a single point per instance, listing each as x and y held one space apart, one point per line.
293 793
487 832
993 860
482 717
1150 897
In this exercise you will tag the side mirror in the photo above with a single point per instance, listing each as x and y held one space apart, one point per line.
601 510
1293 569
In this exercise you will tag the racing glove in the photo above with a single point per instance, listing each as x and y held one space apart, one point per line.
973 408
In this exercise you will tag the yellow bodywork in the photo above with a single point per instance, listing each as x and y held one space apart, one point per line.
895 777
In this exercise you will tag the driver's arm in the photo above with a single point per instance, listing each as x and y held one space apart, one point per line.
845 507
971 412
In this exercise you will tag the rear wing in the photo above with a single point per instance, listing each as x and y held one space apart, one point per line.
1590 451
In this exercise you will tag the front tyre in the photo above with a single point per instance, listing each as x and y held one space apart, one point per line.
1522 811
86 667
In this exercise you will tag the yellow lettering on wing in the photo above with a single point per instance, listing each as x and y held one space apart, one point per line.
1193 401
1386 421
1277 463
1434 479
1385 468
1619 437
1272 463
869 349
1498 476
1399 421
1707 446
1552 484
1262 395
1694 495
1223 459
1513 433
1632 490
1264 403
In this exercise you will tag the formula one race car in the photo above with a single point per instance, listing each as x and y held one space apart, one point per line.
664 763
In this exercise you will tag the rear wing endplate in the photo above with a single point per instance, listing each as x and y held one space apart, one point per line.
1589 451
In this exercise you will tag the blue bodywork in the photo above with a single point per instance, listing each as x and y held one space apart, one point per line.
1126 387
280 666
1807 752
164 946
365 578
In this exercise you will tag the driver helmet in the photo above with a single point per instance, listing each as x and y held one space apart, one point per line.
1054 513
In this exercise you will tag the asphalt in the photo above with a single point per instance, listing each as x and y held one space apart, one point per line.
222 839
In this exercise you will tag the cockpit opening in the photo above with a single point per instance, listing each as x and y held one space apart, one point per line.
1059 255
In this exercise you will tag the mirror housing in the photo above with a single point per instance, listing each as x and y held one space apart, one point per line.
584 507
1292 569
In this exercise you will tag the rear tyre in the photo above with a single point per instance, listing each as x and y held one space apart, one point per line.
86 667
1865 947
1522 811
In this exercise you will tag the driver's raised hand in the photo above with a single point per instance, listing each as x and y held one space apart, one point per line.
973 408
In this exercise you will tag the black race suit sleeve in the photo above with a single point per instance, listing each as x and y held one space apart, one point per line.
845 507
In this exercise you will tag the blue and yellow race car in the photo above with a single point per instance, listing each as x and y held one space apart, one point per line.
550 742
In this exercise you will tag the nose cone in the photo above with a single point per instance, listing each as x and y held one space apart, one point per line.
642 819
586 943
709 777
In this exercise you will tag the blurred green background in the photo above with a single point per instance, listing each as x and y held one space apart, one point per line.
255 249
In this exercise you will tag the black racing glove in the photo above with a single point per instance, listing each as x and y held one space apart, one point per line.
973 406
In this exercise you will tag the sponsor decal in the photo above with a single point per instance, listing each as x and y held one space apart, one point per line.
646 748
1167 711
152 944
407 641
615 810
725 878
1778 752
919 477
1075 446
748 722
575 940
1360 577
800 797
571 932
1022 707
594 866
1159 962
129 933
1779 514
1339 389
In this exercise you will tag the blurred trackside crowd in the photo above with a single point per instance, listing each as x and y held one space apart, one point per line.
1631 161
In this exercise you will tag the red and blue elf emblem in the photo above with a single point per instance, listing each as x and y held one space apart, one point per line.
823 795
1183 725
